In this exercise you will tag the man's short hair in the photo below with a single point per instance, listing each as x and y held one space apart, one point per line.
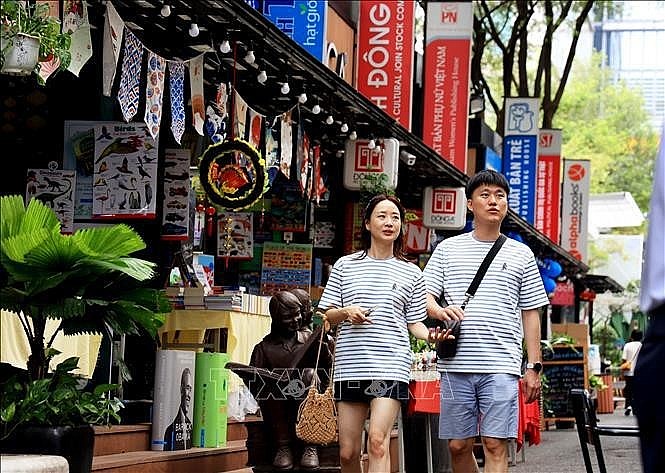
486 177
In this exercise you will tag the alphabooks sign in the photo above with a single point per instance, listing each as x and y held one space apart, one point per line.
575 207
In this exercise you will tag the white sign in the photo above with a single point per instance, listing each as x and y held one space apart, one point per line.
521 116
575 207
362 163
444 208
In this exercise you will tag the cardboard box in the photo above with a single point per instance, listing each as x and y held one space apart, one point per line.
578 332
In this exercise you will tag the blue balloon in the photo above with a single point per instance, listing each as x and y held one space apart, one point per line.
549 283
554 269
515 236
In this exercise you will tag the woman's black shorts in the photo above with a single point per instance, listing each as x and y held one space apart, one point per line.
366 390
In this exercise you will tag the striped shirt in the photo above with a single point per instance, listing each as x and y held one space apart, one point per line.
379 350
491 334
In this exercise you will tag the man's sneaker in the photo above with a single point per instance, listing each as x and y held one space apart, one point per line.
309 459
627 413
283 459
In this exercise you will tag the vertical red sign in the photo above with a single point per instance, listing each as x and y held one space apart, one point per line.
446 79
385 56
548 184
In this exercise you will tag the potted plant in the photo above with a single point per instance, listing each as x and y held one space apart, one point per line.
29 35
88 283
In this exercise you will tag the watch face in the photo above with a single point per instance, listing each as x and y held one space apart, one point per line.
537 366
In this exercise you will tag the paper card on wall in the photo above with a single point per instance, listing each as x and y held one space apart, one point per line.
285 267
175 210
125 172
55 188
235 235
324 234
288 207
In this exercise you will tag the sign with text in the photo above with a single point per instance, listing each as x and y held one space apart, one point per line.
364 164
446 79
575 207
548 177
304 21
444 208
519 167
416 234
340 44
385 56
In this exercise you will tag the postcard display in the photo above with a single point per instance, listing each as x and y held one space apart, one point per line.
173 389
124 172
175 215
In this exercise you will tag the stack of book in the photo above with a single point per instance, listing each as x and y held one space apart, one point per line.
225 298
254 304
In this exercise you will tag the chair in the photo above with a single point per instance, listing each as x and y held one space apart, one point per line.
589 431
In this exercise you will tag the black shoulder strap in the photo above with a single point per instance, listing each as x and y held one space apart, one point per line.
473 287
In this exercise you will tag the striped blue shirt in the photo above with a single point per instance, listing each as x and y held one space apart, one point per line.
491 334
396 288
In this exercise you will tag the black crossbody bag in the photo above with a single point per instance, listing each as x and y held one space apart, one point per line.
448 348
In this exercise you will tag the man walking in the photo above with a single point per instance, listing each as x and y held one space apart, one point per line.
479 385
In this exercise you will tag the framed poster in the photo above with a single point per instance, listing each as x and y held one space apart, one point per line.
56 189
124 172
175 205
285 266
235 235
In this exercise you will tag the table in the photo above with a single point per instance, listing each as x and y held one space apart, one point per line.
245 330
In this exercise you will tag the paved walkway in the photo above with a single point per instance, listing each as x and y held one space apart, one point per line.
559 451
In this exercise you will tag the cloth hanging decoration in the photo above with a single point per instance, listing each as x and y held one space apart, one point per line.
255 128
113 30
154 92
75 20
233 174
303 162
196 91
176 86
239 116
286 144
318 184
128 94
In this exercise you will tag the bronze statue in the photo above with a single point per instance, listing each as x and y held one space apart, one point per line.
282 369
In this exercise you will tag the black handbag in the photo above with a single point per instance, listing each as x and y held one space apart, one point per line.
447 348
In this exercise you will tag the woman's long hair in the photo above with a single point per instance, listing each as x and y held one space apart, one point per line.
366 236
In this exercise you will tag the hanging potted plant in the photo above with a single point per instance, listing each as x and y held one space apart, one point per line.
88 283
30 35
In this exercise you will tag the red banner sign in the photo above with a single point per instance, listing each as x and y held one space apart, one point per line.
548 184
385 56
446 79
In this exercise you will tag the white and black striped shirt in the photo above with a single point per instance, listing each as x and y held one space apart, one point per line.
491 334
396 288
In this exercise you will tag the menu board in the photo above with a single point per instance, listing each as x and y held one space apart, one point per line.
285 266
565 369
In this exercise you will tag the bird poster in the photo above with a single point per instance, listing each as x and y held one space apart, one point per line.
175 211
124 172
55 188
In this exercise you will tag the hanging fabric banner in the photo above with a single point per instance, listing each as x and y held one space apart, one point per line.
319 186
51 64
286 144
239 116
113 30
255 127
154 92
548 184
176 86
130 77
75 20
196 92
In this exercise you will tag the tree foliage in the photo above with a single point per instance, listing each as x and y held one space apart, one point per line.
608 124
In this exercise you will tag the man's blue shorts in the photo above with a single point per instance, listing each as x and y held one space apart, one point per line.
472 404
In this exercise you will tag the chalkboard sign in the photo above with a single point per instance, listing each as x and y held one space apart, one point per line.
561 378
565 369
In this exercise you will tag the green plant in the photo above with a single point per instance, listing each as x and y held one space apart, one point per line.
87 281
596 382
56 401
35 20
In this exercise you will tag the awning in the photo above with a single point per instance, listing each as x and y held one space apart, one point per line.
599 283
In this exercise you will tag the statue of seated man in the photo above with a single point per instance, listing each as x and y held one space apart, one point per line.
288 352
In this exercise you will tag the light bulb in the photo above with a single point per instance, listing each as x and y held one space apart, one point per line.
371 144
316 109
344 128
194 30
302 98
262 77
353 135
165 11
225 47
249 57
329 120
285 88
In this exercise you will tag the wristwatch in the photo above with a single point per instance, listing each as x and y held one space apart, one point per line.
537 366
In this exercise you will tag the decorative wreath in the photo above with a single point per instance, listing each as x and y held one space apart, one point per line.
233 174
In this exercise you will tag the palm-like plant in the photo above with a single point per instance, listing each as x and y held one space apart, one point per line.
87 280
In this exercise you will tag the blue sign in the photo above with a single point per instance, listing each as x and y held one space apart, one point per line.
304 21
519 167
492 160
